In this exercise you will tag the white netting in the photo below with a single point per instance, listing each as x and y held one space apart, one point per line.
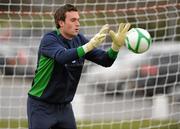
137 92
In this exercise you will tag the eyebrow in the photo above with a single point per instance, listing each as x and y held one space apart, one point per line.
75 18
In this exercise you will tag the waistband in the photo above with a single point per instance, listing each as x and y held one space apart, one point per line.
31 99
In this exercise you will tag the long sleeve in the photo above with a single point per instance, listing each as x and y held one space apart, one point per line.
51 47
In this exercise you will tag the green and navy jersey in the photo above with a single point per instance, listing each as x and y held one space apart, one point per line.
59 67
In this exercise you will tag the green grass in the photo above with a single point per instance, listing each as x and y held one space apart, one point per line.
154 124
13 123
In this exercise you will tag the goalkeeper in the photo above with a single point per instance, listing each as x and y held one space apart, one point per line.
61 57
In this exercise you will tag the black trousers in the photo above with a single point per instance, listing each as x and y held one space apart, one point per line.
43 115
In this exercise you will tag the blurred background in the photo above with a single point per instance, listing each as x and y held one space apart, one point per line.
140 91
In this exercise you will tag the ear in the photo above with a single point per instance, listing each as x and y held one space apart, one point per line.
61 23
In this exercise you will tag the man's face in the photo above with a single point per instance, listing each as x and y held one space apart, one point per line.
70 27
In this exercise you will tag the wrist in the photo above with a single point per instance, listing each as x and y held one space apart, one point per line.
87 47
112 54
115 47
80 52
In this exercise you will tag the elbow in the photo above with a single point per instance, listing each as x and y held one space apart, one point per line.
108 65
64 57
61 60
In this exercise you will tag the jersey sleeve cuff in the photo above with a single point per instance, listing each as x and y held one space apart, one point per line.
112 54
80 52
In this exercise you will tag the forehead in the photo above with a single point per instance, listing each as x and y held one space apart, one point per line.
72 14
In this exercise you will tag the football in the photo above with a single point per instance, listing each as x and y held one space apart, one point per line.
138 40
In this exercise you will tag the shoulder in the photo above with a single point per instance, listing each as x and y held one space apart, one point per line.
49 37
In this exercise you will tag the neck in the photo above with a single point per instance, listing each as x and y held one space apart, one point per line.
66 36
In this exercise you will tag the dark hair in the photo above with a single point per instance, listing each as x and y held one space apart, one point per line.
60 13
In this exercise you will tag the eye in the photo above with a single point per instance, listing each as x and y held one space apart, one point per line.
74 20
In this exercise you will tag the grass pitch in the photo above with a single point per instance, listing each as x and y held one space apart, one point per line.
144 124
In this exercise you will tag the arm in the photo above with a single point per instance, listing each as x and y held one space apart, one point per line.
107 58
51 48
102 57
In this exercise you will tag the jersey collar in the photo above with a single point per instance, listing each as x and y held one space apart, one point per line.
57 31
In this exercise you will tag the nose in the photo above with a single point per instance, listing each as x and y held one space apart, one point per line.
77 23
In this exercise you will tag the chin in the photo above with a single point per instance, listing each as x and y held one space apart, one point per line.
75 34
72 36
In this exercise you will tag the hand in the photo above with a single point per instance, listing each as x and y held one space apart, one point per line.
119 37
97 39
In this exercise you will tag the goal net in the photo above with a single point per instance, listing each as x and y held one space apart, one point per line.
139 91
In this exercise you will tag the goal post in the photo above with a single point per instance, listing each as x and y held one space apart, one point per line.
140 91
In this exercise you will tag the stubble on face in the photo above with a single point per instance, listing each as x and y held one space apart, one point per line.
70 27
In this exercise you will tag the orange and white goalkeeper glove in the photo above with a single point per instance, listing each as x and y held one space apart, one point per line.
119 37
97 39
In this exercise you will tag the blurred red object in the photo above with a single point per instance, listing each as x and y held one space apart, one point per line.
146 70
21 57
